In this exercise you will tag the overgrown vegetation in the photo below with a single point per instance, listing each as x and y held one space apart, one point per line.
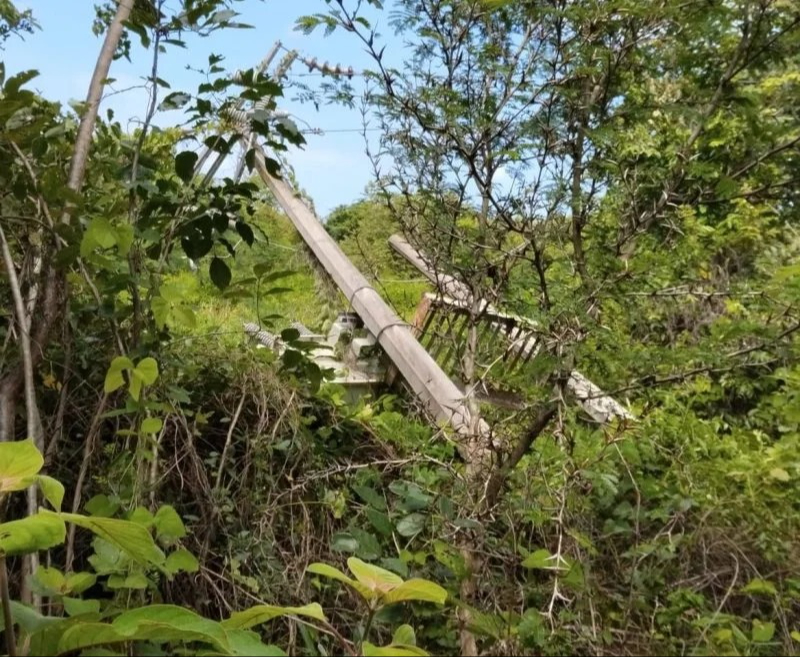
622 174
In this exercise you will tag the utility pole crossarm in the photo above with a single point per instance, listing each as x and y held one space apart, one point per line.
599 406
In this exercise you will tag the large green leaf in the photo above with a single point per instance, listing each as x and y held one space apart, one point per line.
100 233
77 583
248 644
38 532
417 589
114 379
181 561
49 581
30 620
374 578
168 524
166 623
263 613
52 489
131 538
86 635
19 463
392 650
147 370
80 607
155 623
333 573
404 635
411 525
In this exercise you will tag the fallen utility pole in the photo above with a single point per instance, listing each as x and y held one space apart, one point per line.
591 398
429 382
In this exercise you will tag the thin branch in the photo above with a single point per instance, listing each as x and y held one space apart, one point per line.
23 321
151 109
228 439
499 476
34 426
88 448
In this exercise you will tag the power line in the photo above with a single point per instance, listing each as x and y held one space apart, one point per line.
324 131
316 75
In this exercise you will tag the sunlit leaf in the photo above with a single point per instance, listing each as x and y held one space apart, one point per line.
151 425
127 536
760 587
404 635
114 379
263 613
181 561
52 489
763 631
399 650
41 531
417 589
147 369
77 583
249 644
333 573
79 607
374 578
19 463
168 524
49 581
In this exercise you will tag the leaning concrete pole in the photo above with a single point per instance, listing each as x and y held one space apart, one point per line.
430 384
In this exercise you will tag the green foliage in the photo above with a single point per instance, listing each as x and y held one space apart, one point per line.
21 463
380 587
263 613
38 532
641 207
144 373
14 22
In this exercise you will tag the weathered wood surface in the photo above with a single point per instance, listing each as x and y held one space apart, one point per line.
599 406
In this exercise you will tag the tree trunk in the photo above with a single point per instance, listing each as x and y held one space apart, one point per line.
34 335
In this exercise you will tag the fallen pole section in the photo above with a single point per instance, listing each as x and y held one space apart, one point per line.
433 387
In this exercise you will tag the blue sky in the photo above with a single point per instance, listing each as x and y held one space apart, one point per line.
332 167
